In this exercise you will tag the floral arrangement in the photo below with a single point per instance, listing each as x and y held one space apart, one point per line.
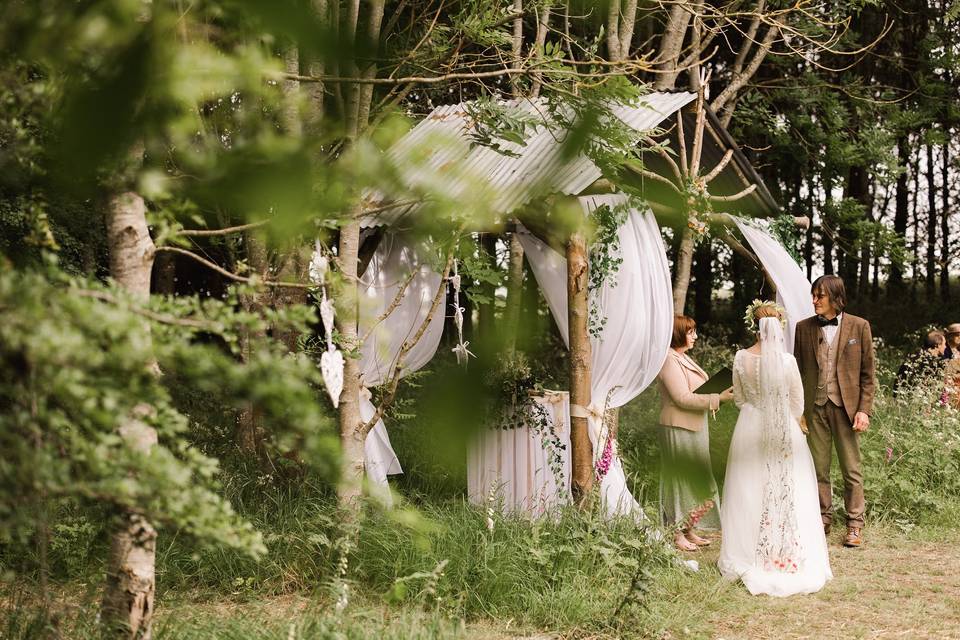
513 383
750 320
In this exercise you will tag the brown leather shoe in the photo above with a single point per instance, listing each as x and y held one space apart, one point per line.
826 528
853 538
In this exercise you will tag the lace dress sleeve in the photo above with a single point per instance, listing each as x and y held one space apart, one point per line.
796 387
738 398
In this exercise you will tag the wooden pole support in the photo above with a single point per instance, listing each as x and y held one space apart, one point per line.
581 451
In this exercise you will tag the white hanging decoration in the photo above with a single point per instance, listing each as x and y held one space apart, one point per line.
460 350
326 316
318 265
331 368
331 360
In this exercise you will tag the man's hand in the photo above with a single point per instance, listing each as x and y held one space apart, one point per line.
803 424
861 422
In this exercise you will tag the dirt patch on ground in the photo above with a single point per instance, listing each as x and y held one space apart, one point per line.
892 587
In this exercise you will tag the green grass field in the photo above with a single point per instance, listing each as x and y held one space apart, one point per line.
433 568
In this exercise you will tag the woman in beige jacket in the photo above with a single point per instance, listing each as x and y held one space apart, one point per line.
686 475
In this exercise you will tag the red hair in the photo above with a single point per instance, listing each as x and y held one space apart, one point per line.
682 325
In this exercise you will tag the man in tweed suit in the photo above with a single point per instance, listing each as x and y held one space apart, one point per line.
834 352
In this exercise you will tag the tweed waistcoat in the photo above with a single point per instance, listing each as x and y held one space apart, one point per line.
828 385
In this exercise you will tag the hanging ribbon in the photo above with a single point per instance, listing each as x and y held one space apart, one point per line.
460 350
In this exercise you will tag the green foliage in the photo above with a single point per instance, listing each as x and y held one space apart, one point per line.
496 123
785 230
79 387
478 271
912 456
605 258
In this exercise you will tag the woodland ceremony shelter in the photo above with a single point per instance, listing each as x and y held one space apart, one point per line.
690 163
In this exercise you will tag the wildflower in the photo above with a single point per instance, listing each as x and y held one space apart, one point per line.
889 455
606 458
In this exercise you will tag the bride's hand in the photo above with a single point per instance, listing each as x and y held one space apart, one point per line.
727 395
803 425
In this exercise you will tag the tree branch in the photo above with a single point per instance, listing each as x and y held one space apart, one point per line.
234 276
221 232
643 173
666 156
393 305
736 196
724 161
737 82
364 429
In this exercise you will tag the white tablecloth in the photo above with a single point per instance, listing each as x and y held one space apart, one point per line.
513 465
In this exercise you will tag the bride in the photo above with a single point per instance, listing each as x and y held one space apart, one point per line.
772 535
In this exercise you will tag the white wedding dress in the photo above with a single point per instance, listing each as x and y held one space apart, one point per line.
773 537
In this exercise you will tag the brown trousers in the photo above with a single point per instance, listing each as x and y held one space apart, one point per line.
830 425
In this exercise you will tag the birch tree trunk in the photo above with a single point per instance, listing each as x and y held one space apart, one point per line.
671 45
581 451
543 26
127 604
358 100
351 479
681 280
516 45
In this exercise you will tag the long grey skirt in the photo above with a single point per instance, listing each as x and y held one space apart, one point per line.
686 476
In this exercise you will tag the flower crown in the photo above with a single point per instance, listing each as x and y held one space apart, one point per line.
750 320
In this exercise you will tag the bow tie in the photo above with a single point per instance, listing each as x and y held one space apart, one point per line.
823 322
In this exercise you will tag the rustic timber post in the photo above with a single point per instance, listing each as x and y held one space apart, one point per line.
581 451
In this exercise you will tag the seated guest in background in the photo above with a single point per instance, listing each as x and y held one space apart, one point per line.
688 490
923 366
951 356
952 352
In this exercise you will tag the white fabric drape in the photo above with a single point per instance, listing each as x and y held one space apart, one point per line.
793 288
512 467
391 265
637 302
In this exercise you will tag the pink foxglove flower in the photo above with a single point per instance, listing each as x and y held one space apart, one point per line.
606 458
694 517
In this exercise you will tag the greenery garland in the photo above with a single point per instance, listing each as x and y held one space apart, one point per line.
784 229
605 258
514 406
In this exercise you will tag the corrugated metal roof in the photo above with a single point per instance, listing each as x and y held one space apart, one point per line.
539 167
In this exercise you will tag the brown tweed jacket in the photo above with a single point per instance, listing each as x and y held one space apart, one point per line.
855 362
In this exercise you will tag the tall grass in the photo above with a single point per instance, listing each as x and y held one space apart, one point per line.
435 564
